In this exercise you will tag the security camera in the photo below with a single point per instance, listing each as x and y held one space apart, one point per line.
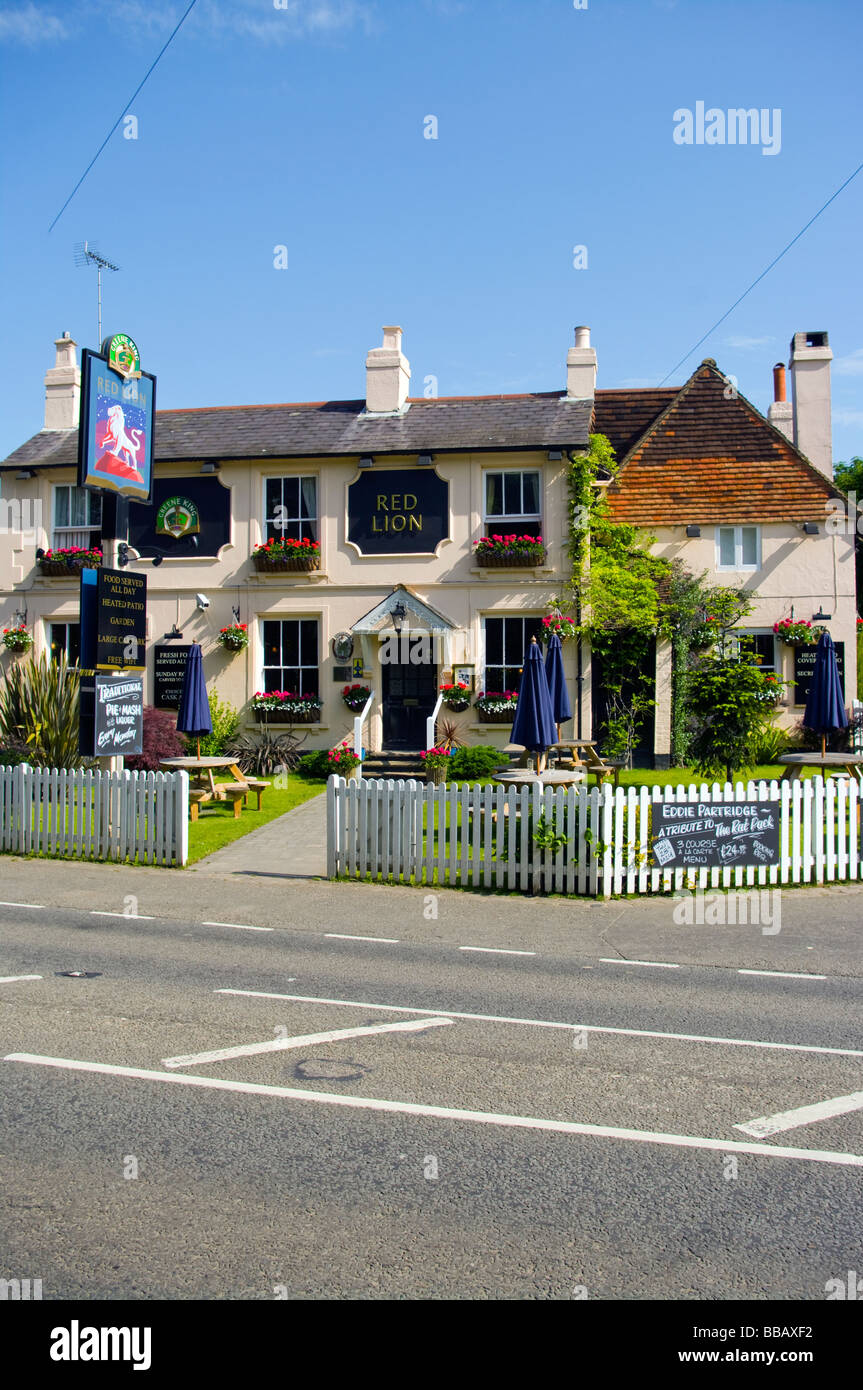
202 600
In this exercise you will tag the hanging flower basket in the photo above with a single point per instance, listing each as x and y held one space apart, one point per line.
795 633
60 564
17 639
281 556
456 697
558 623
355 697
284 707
234 638
508 552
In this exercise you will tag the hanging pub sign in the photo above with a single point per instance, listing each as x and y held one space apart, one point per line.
112 716
115 430
169 669
704 835
394 511
804 665
113 608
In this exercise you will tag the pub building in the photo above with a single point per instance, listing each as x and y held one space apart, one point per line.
386 497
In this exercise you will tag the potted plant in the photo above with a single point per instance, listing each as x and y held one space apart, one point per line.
355 696
560 623
496 706
18 639
456 697
706 633
508 551
282 554
234 638
796 632
436 762
344 762
285 707
68 560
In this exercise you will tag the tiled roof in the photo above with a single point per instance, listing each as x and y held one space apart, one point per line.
708 457
624 415
336 428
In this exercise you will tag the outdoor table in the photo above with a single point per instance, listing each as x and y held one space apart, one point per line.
202 769
575 746
794 763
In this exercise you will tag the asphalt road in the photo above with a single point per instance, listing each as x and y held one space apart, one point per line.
553 1125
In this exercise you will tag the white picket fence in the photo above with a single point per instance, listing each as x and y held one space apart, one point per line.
140 816
483 836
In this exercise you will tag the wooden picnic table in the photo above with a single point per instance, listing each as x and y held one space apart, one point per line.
795 763
584 753
204 784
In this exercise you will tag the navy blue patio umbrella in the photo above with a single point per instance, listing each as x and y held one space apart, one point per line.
533 726
193 717
560 706
825 703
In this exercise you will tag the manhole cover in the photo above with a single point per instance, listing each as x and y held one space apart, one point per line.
322 1069
78 974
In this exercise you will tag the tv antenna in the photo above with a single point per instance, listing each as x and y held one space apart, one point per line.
85 254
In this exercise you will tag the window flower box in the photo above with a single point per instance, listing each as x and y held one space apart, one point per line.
284 707
508 552
61 564
282 556
496 707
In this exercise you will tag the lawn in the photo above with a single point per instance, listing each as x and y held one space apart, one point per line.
216 827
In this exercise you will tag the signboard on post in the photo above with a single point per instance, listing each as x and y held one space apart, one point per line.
112 715
804 665
169 668
113 620
115 432
704 835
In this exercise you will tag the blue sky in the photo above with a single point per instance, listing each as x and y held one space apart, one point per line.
303 127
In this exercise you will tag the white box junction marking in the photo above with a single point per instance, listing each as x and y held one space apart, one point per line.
803 1115
304 1040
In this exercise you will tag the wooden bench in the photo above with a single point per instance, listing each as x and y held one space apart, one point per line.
603 768
255 785
197 798
233 791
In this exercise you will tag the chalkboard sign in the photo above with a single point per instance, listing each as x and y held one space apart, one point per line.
169 668
804 665
112 715
704 835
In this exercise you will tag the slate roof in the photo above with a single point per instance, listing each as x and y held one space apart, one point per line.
705 457
543 420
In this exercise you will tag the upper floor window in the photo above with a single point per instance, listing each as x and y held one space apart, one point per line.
738 548
291 508
512 501
77 517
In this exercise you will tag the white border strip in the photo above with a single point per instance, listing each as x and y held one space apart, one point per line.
496 951
343 936
238 926
10 979
619 960
225 1054
783 974
441 1112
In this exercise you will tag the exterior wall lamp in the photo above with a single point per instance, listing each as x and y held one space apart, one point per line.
366 461
425 460
210 466
693 531
810 528
399 615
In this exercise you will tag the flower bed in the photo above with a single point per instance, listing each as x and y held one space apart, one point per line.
285 707
496 706
68 561
355 697
795 632
234 638
279 556
506 552
18 639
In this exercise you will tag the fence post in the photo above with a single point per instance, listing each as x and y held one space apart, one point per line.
332 827
181 818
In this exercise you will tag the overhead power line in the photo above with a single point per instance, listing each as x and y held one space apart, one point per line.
764 272
150 69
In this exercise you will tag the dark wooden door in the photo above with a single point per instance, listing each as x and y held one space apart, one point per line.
409 694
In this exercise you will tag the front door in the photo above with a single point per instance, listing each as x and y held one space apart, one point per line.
409 694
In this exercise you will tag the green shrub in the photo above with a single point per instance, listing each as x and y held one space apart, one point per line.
161 739
226 722
265 754
770 745
39 708
480 761
316 764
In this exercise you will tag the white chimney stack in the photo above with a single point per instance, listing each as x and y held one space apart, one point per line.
63 387
780 412
810 394
581 368
388 374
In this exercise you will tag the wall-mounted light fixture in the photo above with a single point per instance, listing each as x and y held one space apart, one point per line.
425 460
820 617
210 466
173 634
693 531
24 474
810 528
399 615
367 461
555 455
124 557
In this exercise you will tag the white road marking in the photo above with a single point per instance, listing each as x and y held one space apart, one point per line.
304 1040
239 926
616 960
496 951
132 916
441 1112
783 974
41 906
343 936
544 1023
10 979
804 1115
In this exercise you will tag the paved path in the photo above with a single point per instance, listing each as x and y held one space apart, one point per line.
294 846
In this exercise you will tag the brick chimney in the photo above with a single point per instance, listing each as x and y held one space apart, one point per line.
780 412
810 394
581 368
63 387
388 374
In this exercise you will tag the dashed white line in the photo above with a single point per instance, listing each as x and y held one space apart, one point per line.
394 1107
618 960
496 951
10 979
803 1115
545 1023
343 936
783 974
129 916
41 906
225 1054
238 926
